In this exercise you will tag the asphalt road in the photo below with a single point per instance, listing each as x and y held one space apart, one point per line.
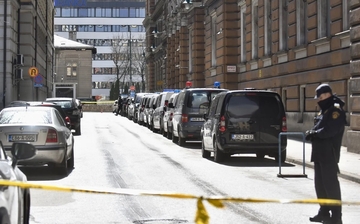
115 153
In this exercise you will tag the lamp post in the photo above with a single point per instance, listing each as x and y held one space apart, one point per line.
130 57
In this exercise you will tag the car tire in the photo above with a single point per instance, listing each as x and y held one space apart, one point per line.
71 162
4 216
181 141
218 155
62 168
173 138
205 154
78 130
283 156
168 133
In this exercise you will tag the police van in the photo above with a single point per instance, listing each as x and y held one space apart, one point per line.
189 110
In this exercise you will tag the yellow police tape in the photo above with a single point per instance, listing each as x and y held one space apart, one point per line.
202 217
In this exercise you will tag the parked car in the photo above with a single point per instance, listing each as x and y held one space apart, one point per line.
141 110
168 115
115 106
158 114
152 107
133 112
72 109
148 106
244 121
79 104
189 112
15 201
45 129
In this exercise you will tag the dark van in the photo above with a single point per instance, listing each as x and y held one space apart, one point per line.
245 121
189 112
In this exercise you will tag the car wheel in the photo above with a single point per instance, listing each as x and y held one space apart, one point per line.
4 216
63 167
168 133
26 218
78 130
70 163
260 155
283 156
181 141
173 138
205 154
218 155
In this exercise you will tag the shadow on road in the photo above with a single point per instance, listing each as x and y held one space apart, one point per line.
249 161
42 173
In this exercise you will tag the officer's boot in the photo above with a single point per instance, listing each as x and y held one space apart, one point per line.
322 216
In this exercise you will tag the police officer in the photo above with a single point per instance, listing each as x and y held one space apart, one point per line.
326 137
119 105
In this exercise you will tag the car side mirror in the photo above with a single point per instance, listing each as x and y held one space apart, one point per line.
80 107
22 151
171 105
164 108
154 107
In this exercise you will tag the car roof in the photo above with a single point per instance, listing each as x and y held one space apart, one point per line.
60 98
28 108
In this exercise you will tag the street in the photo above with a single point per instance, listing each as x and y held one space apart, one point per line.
114 152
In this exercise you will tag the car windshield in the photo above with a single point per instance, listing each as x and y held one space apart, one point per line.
199 101
253 105
63 104
25 117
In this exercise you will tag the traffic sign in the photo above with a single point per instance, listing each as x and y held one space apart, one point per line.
38 81
33 72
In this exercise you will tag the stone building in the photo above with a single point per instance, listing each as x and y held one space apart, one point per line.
28 28
73 68
288 46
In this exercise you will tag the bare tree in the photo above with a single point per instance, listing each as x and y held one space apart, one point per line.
138 62
120 57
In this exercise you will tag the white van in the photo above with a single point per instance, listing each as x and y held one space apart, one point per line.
159 111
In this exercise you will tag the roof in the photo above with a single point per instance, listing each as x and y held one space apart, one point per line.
64 43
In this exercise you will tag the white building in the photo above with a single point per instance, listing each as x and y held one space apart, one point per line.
102 24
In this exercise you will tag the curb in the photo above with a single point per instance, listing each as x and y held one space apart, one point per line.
342 174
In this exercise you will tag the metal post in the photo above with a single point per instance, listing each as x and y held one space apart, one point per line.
292 175
130 58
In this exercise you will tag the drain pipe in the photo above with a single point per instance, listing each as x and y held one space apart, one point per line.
4 52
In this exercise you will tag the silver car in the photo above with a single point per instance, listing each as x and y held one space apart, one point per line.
168 115
14 201
45 129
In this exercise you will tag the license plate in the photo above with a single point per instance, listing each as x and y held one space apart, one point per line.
21 138
197 119
242 137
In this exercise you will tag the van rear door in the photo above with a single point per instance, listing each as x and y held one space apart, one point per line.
254 117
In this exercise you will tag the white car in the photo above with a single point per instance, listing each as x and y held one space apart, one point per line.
44 128
168 115
14 201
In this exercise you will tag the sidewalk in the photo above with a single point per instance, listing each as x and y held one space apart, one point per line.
349 162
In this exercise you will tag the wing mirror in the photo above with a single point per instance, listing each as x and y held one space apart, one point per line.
22 151
171 105
154 107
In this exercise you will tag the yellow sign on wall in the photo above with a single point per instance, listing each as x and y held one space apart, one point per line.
33 72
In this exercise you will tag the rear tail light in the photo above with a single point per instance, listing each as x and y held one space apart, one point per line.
283 125
51 136
67 120
184 118
222 124
171 116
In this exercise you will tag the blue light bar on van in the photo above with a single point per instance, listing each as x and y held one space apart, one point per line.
177 91
168 90
217 84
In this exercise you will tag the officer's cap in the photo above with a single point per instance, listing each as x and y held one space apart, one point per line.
323 88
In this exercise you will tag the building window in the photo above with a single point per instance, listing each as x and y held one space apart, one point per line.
213 40
345 6
71 69
243 33
267 27
74 69
323 18
301 22
255 29
190 51
283 25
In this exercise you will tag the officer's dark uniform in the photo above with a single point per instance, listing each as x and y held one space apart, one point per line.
326 137
119 105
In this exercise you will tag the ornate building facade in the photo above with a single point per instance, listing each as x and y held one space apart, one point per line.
288 46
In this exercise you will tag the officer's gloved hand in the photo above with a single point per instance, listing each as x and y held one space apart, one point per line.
309 134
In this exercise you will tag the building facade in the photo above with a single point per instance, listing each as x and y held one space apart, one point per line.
73 68
27 26
288 46
115 29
